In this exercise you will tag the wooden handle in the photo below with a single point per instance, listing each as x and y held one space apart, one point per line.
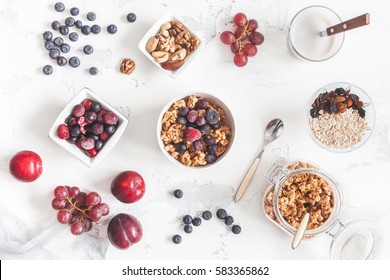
349 24
300 231
247 179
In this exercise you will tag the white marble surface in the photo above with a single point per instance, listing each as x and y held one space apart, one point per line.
273 84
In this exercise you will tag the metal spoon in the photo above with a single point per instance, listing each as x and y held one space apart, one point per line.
273 130
302 226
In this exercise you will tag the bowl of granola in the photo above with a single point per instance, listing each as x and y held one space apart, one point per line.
196 130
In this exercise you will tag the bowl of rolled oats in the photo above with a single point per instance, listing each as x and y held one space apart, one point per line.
340 117
196 130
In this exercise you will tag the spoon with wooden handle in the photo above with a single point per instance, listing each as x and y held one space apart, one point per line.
347 25
302 226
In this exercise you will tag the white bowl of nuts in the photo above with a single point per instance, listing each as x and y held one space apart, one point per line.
171 45
196 130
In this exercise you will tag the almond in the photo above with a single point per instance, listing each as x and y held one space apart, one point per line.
172 65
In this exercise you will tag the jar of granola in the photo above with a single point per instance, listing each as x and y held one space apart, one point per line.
293 186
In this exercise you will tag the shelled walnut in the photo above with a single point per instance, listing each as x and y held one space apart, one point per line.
127 66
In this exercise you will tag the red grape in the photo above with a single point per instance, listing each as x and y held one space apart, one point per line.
73 192
87 224
80 199
77 228
235 47
252 25
240 59
240 19
227 37
250 49
73 219
240 33
64 216
95 214
58 204
256 38
92 199
61 193
104 208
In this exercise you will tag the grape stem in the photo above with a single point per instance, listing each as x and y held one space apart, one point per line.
238 40
83 212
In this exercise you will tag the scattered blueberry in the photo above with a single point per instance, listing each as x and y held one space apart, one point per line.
88 49
200 121
211 158
47 70
65 48
187 228
91 16
110 129
86 30
236 229
61 61
202 104
183 111
54 53
78 24
49 45
64 30
196 221
47 35
59 7
198 146
181 120
229 220
74 61
58 41
212 149
96 106
178 193
93 71
208 140
96 29
112 29
99 145
131 17
181 147
55 25
69 21
205 129
212 116
176 239
187 219
73 36
74 11
207 215
221 214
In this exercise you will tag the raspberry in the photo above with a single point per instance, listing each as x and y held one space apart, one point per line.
192 134
63 131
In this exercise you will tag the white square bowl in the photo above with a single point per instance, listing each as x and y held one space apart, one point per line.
91 162
155 29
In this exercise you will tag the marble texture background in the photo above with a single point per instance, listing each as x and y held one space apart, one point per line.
273 84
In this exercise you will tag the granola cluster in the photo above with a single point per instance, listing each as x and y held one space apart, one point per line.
195 132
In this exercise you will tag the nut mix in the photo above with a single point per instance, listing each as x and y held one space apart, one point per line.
195 132
337 119
171 45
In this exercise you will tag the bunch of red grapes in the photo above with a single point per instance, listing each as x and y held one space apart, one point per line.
244 40
78 209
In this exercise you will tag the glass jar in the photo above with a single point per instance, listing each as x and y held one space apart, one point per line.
298 182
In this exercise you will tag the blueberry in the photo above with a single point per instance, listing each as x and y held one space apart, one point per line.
96 106
58 41
207 215
73 36
340 91
75 131
196 221
99 145
176 239
221 214
90 116
198 146
178 193
216 125
192 116
362 113
47 70
93 71
314 113
202 104
181 120
187 228
110 129
91 16
93 136
183 111
200 121
54 53
212 149
96 29
64 30
47 35
212 116
55 25
65 48
74 11
72 140
331 107
131 17
229 220
211 158
236 229
69 21
61 61
187 219
112 29
70 120
205 129
88 49
49 45
181 147
208 140
78 24
86 30
59 7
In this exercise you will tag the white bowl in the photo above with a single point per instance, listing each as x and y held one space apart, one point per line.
155 29
86 93
213 101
